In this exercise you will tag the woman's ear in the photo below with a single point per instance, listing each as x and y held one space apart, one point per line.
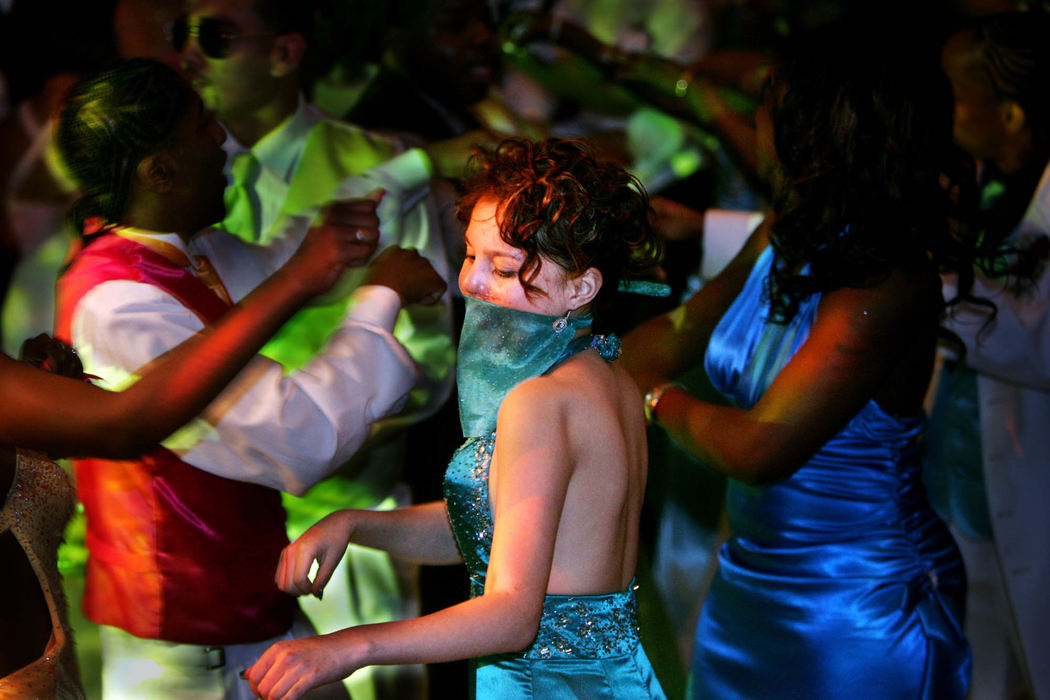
287 54
157 172
585 287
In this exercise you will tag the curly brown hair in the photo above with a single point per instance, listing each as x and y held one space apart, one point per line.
558 202
863 140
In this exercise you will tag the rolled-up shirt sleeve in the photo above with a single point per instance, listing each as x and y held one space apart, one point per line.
286 431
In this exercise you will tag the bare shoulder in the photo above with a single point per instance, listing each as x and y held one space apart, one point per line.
585 378
908 298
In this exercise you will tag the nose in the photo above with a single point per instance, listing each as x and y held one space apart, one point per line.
190 57
471 281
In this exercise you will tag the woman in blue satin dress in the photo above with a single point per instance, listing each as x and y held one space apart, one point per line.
543 500
838 580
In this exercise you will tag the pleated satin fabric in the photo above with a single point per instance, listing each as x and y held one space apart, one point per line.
839 581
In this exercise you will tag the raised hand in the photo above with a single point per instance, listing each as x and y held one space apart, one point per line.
409 274
345 236
325 542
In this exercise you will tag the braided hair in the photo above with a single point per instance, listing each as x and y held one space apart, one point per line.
108 123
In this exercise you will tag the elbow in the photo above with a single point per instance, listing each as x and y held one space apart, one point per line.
759 470
522 635
519 625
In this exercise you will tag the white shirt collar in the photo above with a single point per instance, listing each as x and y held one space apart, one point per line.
157 241
279 150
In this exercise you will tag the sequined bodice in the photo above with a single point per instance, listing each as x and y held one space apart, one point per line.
36 510
585 626
592 626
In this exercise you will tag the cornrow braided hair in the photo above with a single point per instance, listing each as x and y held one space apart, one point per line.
108 123
1015 58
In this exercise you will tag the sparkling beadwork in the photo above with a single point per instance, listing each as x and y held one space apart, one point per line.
608 346
37 506
593 626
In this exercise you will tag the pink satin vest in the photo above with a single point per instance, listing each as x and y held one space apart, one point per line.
176 553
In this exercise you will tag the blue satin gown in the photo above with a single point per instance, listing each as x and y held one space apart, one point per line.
839 582
587 645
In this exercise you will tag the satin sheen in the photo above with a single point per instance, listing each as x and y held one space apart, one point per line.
166 541
840 581
587 646
499 348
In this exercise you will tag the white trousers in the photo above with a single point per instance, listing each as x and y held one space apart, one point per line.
146 669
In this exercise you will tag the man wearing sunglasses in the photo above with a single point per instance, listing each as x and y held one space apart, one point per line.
245 59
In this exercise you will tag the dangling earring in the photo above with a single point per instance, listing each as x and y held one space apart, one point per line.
562 323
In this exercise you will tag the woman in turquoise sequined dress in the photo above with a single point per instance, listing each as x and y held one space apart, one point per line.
543 500
838 580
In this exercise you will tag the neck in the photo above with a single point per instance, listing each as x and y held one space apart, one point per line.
1017 154
248 129
160 221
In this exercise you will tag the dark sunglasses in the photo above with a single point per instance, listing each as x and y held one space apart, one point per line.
214 36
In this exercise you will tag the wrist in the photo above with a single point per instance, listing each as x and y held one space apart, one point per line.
293 287
653 398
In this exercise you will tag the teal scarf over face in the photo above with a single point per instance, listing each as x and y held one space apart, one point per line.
498 349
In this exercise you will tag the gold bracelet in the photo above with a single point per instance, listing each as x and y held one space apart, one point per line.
653 397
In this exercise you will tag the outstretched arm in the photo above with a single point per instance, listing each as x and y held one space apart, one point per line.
667 346
858 349
530 476
62 416
419 534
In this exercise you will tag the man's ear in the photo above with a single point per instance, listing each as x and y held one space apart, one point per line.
1013 116
585 287
287 54
157 172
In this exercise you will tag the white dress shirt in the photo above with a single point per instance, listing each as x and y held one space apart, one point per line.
409 219
283 431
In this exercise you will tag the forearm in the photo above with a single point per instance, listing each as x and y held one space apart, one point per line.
419 534
291 431
76 418
668 345
193 373
709 109
282 431
731 441
488 624
653 352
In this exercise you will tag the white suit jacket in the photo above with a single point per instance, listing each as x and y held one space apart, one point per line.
1012 359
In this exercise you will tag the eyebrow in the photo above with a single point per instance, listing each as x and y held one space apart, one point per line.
497 254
